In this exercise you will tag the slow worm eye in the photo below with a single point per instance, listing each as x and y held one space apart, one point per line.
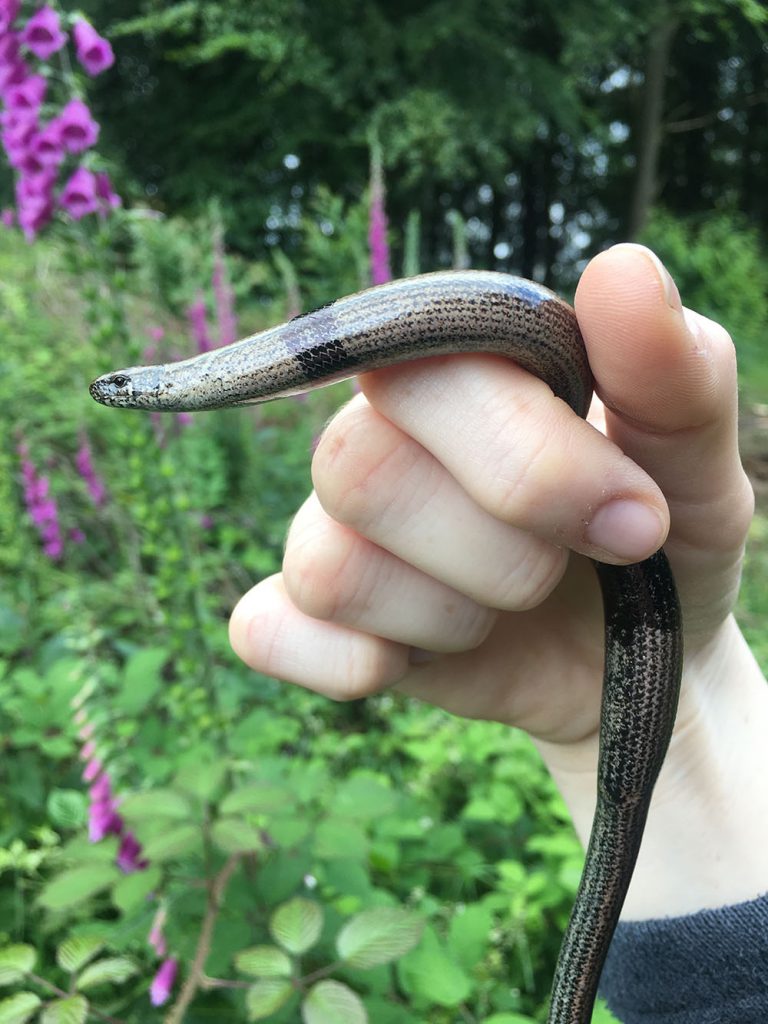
120 380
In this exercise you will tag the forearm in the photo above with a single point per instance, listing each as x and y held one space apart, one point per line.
707 831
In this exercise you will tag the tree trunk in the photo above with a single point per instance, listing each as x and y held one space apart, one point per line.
650 123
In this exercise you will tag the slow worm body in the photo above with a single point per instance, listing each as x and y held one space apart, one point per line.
466 311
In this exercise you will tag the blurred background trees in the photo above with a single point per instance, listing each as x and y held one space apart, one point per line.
551 126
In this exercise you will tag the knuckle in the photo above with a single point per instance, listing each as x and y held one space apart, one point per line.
537 571
313 572
515 477
350 470
370 668
474 629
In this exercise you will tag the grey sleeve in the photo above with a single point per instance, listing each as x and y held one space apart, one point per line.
705 968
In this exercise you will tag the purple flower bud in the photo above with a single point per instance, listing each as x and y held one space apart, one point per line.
109 200
103 820
53 548
162 983
223 295
85 733
87 751
93 51
41 508
101 789
34 213
8 217
76 129
42 34
85 468
92 770
377 227
128 855
198 324
76 535
156 938
78 197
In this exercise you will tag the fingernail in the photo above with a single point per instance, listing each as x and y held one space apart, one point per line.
671 293
627 529
419 656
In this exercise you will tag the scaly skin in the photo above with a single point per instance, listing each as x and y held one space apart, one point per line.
475 311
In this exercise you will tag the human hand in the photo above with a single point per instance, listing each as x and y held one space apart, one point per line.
456 499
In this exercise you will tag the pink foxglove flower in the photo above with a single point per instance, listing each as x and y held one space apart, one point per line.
75 127
93 51
162 983
92 770
108 199
377 225
12 72
46 147
27 96
128 856
42 34
86 469
41 508
103 820
9 9
198 324
224 296
78 197
156 937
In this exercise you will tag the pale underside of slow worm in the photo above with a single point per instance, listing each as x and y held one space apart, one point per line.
476 311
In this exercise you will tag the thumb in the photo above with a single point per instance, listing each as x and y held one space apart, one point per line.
667 377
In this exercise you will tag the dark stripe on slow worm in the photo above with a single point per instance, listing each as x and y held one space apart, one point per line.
475 311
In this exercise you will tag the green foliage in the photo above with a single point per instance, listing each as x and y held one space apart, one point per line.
721 267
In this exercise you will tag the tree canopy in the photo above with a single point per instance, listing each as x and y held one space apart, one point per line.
551 126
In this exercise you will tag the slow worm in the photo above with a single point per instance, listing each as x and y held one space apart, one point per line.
476 311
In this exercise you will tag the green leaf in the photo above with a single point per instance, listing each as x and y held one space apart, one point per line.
75 952
233 835
288 832
378 936
174 843
15 962
428 972
156 803
364 797
76 885
141 680
297 924
266 997
67 808
19 1008
112 970
257 799
340 837
509 1018
330 1002
201 778
132 890
263 962
73 1010
469 933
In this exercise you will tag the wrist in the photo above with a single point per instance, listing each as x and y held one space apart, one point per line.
707 831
